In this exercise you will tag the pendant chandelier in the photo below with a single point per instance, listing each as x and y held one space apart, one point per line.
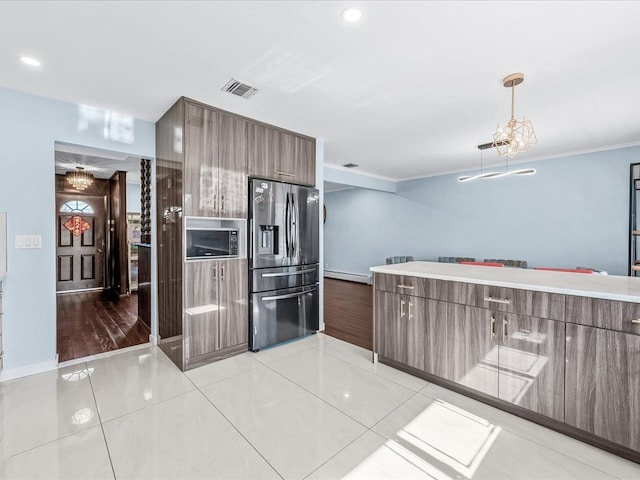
79 178
516 135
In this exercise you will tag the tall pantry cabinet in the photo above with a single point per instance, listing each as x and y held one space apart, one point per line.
204 158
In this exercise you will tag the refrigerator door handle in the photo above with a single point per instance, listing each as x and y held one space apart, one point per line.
288 295
294 225
288 274
287 225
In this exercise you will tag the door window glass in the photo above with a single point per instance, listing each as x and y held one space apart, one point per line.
76 206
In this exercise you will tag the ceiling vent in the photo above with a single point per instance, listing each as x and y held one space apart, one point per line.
240 89
350 165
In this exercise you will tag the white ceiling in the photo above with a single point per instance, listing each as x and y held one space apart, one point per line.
100 163
408 91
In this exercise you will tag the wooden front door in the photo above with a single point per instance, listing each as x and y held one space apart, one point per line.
80 225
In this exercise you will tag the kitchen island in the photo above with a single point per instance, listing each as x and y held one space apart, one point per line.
561 349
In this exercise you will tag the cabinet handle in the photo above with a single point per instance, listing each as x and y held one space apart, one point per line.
504 301
286 174
504 330
410 303
493 327
408 287
215 203
635 320
215 270
221 272
222 204
401 308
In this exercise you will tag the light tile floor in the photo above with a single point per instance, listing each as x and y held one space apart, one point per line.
314 408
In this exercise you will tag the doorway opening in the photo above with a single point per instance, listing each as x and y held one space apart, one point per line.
103 251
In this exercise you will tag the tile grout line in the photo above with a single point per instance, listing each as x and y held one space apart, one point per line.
106 444
370 429
536 442
232 425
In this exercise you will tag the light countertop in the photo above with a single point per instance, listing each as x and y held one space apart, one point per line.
612 287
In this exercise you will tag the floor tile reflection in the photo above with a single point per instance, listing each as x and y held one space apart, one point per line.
41 408
315 408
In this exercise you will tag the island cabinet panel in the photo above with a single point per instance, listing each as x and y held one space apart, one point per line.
511 300
402 329
531 363
603 313
402 284
603 384
472 349
416 286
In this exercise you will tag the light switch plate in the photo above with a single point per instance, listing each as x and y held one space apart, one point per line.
28 241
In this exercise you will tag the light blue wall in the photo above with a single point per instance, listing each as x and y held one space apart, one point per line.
133 198
29 126
353 178
574 211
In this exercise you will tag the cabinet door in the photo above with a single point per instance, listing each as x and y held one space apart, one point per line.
531 362
392 328
201 308
287 169
472 348
436 355
200 183
305 157
263 144
603 383
416 332
233 303
232 166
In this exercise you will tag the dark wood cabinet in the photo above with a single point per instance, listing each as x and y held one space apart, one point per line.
279 155
568 362
516 358
531 363
201 308
402 329
603 384
215 165
233 301
215 306
472 348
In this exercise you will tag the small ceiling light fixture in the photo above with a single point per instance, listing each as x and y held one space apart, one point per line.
32 62
517 135
79 179
351 15
494 174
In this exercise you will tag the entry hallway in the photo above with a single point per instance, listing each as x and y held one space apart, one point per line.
314 408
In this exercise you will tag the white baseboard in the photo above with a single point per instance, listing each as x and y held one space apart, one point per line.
153 340
28 370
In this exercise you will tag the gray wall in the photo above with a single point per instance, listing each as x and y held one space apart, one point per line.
574 211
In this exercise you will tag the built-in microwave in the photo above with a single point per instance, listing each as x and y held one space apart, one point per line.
212 243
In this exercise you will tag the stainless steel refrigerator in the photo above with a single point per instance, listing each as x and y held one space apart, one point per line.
283 237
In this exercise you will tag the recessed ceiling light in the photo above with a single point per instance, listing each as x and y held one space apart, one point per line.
351 15
32 62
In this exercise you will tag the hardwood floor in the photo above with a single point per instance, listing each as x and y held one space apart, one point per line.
348 311
90 323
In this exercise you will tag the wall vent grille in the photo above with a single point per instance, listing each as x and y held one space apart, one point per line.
240 89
